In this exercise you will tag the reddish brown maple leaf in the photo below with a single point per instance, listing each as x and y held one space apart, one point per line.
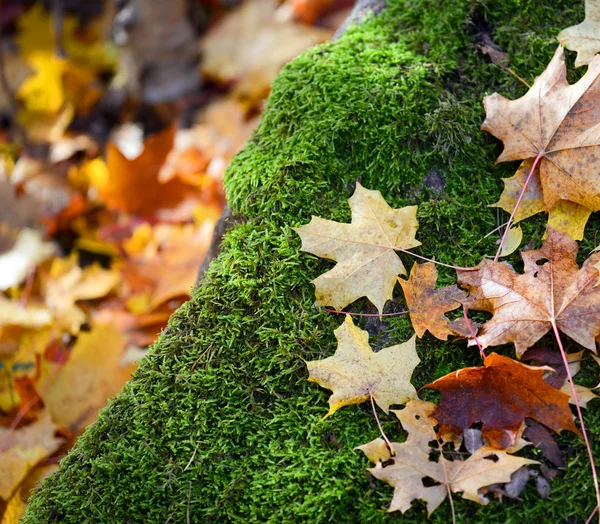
553 290
500 394
427 305
559 123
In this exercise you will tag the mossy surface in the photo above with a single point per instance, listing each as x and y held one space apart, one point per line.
219 422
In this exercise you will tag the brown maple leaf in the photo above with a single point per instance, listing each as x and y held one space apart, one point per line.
559 123
584 37
552 291
427 305
414 461
355 372
500 395
367 264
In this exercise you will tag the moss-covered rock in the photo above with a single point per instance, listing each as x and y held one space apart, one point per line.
219 422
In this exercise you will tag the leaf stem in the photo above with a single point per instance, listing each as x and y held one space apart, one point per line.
435 261
366 314
451 504
386 440
579 413
471 330
512 215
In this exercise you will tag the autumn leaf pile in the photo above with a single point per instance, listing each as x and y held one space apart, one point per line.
101 238
472 441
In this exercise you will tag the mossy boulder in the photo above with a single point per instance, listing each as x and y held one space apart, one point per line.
219 422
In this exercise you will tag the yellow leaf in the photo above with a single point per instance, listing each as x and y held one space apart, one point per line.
91 375
569 218
584 37
43 92
355 371
512 241
14 509
364 249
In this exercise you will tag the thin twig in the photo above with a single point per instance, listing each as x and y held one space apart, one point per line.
516 76
387 441
187 511
589 519
192 459
577 405
512 215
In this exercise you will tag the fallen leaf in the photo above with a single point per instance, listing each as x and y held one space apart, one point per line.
427 305
364 249
14 509
355 372
133 186
524 306
541 437
414 461
584 37
557 122
569 218
499 395
74 392
532 201
512 241
21 449
67 283
250 44
584 395
28 251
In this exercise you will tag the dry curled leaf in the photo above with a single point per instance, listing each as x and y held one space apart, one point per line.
500 395
367 265
355 371
427 305
414 461
552 289
584 37
559 123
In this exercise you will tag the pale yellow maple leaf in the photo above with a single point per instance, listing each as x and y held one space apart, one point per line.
355 372
412 463
584 37
367 265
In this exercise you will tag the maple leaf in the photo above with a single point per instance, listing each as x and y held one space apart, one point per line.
413 461
552 290
364 249
564 216
584 37
556 123
500 395
427 305
133 185
355 372
68 283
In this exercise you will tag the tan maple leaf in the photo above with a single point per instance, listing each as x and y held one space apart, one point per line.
584 37
427 305
559 123
414 461
355 372
552 290
367 265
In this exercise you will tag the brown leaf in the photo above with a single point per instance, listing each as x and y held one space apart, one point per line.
500 395
355 372
413 462
557 122
584 38
427 305
541 437
552 289
364 249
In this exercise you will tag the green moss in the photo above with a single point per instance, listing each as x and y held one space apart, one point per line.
219 421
